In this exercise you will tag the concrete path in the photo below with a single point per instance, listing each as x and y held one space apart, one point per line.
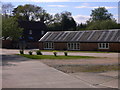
33 74
106 79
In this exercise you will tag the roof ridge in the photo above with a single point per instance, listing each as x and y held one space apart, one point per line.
85 30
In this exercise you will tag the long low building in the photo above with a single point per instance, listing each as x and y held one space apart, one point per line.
91 40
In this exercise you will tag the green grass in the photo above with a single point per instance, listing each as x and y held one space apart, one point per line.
77 51
55 57
86 68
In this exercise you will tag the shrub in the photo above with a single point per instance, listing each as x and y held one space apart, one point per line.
66 53
30 52
21 52
38 52
55 53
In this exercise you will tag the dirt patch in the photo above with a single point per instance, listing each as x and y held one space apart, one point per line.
97 61
85 68
83 65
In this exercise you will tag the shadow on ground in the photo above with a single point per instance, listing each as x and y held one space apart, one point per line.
6 59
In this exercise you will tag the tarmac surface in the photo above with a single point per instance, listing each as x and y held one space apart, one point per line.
20 72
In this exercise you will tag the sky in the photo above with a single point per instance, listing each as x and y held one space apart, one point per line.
80 9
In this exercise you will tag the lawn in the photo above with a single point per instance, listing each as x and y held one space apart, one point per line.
55 57
78 51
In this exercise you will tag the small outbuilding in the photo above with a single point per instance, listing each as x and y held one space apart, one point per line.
91 40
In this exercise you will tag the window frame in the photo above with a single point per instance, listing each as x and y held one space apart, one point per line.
30 32
48 45
73 46
103 45
42 32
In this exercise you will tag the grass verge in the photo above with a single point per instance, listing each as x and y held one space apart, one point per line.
78 51
55 57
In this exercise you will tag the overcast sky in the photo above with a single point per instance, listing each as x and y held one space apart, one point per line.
80 10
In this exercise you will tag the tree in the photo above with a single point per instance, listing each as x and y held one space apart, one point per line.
101 19
102 25
81 26
30 12
26 12
100 14
55 24
0 25
10 28
67 22
57 18
54 27
7 9
118 26
44 17
63 21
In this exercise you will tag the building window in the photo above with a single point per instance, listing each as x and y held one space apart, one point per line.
103 45
42 32
30 32
48 45
73 46
31 38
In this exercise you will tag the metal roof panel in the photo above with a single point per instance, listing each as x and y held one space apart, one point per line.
83 36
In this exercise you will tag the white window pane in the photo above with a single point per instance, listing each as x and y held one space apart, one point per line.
30 31
103 45
42 32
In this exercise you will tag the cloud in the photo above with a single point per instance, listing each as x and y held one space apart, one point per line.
108 7
35 0
86 4
81 18
52 13
48 0
95 7
59 0
81 7
116 16
57 5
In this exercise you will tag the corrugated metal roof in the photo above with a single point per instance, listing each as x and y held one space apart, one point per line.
82 36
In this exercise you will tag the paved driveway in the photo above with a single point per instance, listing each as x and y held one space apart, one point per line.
20 72
24 73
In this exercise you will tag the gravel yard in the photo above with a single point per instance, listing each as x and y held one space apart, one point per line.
96 61
108 63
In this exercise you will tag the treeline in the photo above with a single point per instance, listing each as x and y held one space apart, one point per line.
64 21
28 12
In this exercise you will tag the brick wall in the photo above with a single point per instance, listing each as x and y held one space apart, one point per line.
84 46
60 46
41 47
115 47
33 45
89 46
6 44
